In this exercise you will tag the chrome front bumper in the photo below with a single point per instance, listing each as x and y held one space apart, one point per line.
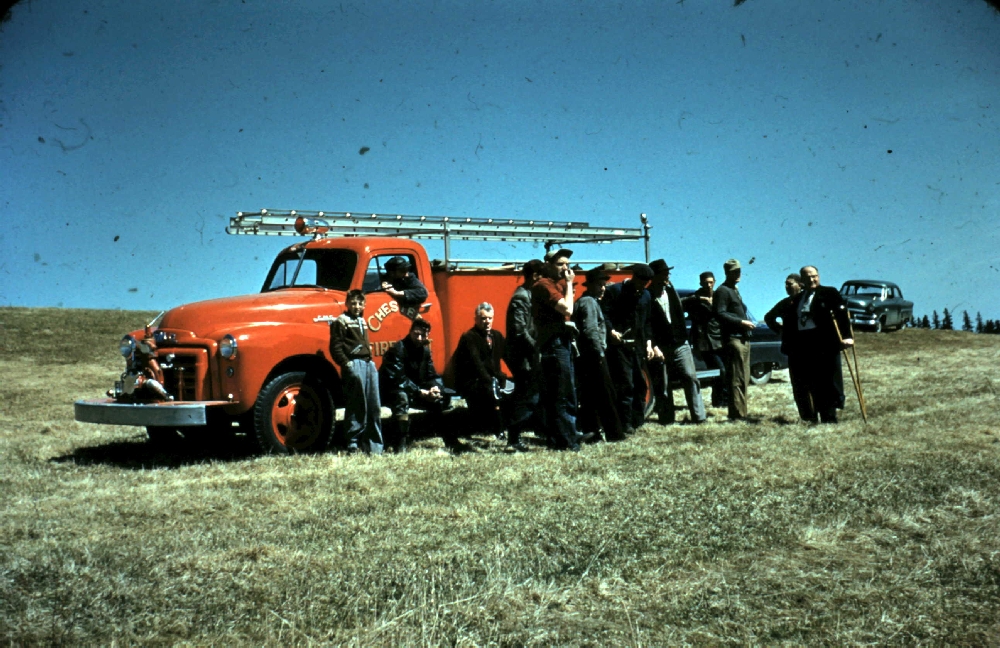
108 411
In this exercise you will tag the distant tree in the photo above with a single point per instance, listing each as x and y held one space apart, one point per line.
947 324
925 323
936 320
979 322
989 327
966 321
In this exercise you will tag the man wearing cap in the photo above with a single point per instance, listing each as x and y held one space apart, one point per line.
672 358
626 310
405 288
521 356
735 326
823 329
595 389
552 307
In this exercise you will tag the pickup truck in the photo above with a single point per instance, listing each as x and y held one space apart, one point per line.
261 363
876 304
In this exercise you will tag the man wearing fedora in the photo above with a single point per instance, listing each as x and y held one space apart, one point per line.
672 357
736 327
626 310
595 389
408 291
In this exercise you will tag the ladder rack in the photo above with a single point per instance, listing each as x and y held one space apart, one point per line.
320 224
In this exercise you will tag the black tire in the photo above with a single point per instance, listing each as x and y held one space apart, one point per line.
293 413
760 374
879 325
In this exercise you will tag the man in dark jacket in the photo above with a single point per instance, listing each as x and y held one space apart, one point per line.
595 389
736 326
823 329
478 376
522 358
672 358
784 310
407 380
626 310
408 291
706 335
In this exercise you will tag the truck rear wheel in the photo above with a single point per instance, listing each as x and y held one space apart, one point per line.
293 413
760 374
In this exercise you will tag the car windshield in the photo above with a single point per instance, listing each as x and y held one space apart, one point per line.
861 290
333 269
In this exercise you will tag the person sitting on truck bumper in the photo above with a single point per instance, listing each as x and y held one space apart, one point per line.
477 370
407 380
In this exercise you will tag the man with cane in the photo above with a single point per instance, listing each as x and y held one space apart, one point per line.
821 324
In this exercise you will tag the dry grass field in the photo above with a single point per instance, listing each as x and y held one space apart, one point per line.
774 533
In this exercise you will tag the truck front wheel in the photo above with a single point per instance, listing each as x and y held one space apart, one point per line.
293 413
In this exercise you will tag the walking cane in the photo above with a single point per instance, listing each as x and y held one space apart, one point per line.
855 377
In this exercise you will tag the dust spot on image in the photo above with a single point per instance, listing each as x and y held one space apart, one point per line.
116 238
363 150
133 290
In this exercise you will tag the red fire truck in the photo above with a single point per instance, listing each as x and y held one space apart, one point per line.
262 362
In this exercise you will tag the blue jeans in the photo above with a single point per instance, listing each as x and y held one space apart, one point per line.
362 409
558 393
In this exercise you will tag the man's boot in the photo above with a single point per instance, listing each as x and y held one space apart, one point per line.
402 434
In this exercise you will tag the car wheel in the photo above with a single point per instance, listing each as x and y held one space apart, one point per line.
879 327
760 374
293 413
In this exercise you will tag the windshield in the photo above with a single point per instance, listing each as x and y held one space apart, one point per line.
861 290
331 269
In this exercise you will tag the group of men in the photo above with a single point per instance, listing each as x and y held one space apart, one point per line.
578 364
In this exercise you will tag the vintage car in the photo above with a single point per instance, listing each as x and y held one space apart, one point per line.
876 304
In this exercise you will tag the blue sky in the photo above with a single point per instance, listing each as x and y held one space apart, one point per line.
858 136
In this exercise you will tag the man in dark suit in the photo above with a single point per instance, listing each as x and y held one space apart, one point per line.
784 310
522 359
822 330
736 327
672 357
626 311
478 376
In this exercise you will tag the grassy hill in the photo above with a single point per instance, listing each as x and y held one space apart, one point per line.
769 533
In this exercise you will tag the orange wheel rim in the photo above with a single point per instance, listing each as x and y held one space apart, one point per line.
297 416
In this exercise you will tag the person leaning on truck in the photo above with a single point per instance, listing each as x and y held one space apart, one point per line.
478 376
408 291
626 309
595 389
823 330
552 306
672 357
407 380
736 326
522 358
787 328
706 337
350 349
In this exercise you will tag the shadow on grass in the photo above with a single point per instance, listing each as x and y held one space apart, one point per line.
145 455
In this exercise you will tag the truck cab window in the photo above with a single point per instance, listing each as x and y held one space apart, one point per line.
332 269
377 273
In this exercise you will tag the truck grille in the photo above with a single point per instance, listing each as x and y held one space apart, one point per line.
185 375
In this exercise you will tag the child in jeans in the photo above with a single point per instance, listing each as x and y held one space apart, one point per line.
350 349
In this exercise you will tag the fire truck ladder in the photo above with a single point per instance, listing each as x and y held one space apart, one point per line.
320 224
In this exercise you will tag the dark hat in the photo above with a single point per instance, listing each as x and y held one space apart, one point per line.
660 266
598 274
397 263
642 271
531 267
731 265
551 255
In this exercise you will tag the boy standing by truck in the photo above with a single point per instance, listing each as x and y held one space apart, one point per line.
350 349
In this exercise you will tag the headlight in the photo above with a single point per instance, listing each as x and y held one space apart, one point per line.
227 346
127 346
